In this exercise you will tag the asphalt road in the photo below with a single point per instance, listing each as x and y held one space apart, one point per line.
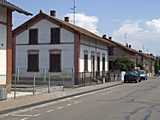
140 101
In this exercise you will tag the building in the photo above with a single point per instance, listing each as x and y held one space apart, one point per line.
46 42
146 61
6 9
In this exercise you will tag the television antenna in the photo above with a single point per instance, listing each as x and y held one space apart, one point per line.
74 11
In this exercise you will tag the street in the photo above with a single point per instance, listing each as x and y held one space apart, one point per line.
140 101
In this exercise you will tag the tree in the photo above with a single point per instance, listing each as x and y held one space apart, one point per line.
157 66
140 66
123 64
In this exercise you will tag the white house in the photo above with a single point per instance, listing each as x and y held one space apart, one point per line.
46 42
6 9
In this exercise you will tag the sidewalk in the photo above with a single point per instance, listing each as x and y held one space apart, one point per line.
11 105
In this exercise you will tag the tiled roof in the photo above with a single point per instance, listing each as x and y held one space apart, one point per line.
67 25
13 7
133 50
73 27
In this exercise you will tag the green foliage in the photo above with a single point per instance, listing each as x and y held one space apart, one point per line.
140 66
157 66
123 64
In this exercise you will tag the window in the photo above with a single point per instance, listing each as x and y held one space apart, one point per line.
93 63
111 51
85 62
55 61
98 63
33 62
33 36
55 35
103 63
111 65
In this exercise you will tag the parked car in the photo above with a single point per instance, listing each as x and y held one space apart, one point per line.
142 75
132 76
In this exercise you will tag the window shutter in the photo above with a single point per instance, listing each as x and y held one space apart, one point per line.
55 35
33 36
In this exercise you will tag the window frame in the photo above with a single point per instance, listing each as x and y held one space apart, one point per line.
31 41
51 68
86 61
53 38
31 68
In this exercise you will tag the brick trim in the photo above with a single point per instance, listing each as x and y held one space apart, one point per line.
9 49
76 58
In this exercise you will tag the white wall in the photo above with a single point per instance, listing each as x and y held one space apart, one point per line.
89 45
44 33
67 50
3 40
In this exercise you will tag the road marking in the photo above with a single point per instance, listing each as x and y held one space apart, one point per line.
24 119
60 107
76 102
69 98
36 115
52 110
69 104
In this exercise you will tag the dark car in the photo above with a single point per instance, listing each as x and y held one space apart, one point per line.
142 75
132 76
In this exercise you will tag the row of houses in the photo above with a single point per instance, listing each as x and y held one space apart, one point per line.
47 42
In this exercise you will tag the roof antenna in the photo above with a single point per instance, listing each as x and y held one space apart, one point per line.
74 11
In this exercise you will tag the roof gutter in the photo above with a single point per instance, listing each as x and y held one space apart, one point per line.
13 7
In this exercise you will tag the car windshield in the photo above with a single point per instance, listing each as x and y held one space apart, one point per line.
141 72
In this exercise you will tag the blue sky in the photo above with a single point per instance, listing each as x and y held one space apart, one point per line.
138 19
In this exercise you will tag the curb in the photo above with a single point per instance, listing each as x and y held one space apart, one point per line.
56 99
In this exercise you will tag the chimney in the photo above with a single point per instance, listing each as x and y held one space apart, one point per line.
110 38
53 13
40 11
104 36
66 19
126 44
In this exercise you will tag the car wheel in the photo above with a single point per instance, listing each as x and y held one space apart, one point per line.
136 81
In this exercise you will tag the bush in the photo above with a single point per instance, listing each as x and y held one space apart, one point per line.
123 64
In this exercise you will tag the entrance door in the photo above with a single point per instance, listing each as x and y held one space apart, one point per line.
55 63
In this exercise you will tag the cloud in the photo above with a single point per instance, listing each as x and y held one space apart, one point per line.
142 35
85 21
154 24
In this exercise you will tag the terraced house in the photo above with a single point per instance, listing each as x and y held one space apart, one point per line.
46 42
147 61
6 9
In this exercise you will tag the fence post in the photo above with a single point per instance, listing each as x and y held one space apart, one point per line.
18 74
45 74
73 79
34 83
49 83
15 80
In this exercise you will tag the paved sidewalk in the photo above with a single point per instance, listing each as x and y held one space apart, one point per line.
29 101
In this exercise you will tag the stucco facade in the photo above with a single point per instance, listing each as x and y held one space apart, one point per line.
72 47
3 45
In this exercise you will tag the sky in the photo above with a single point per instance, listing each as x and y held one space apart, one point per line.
136 22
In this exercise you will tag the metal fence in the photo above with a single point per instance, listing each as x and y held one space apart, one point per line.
44 81
40 82
90 78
